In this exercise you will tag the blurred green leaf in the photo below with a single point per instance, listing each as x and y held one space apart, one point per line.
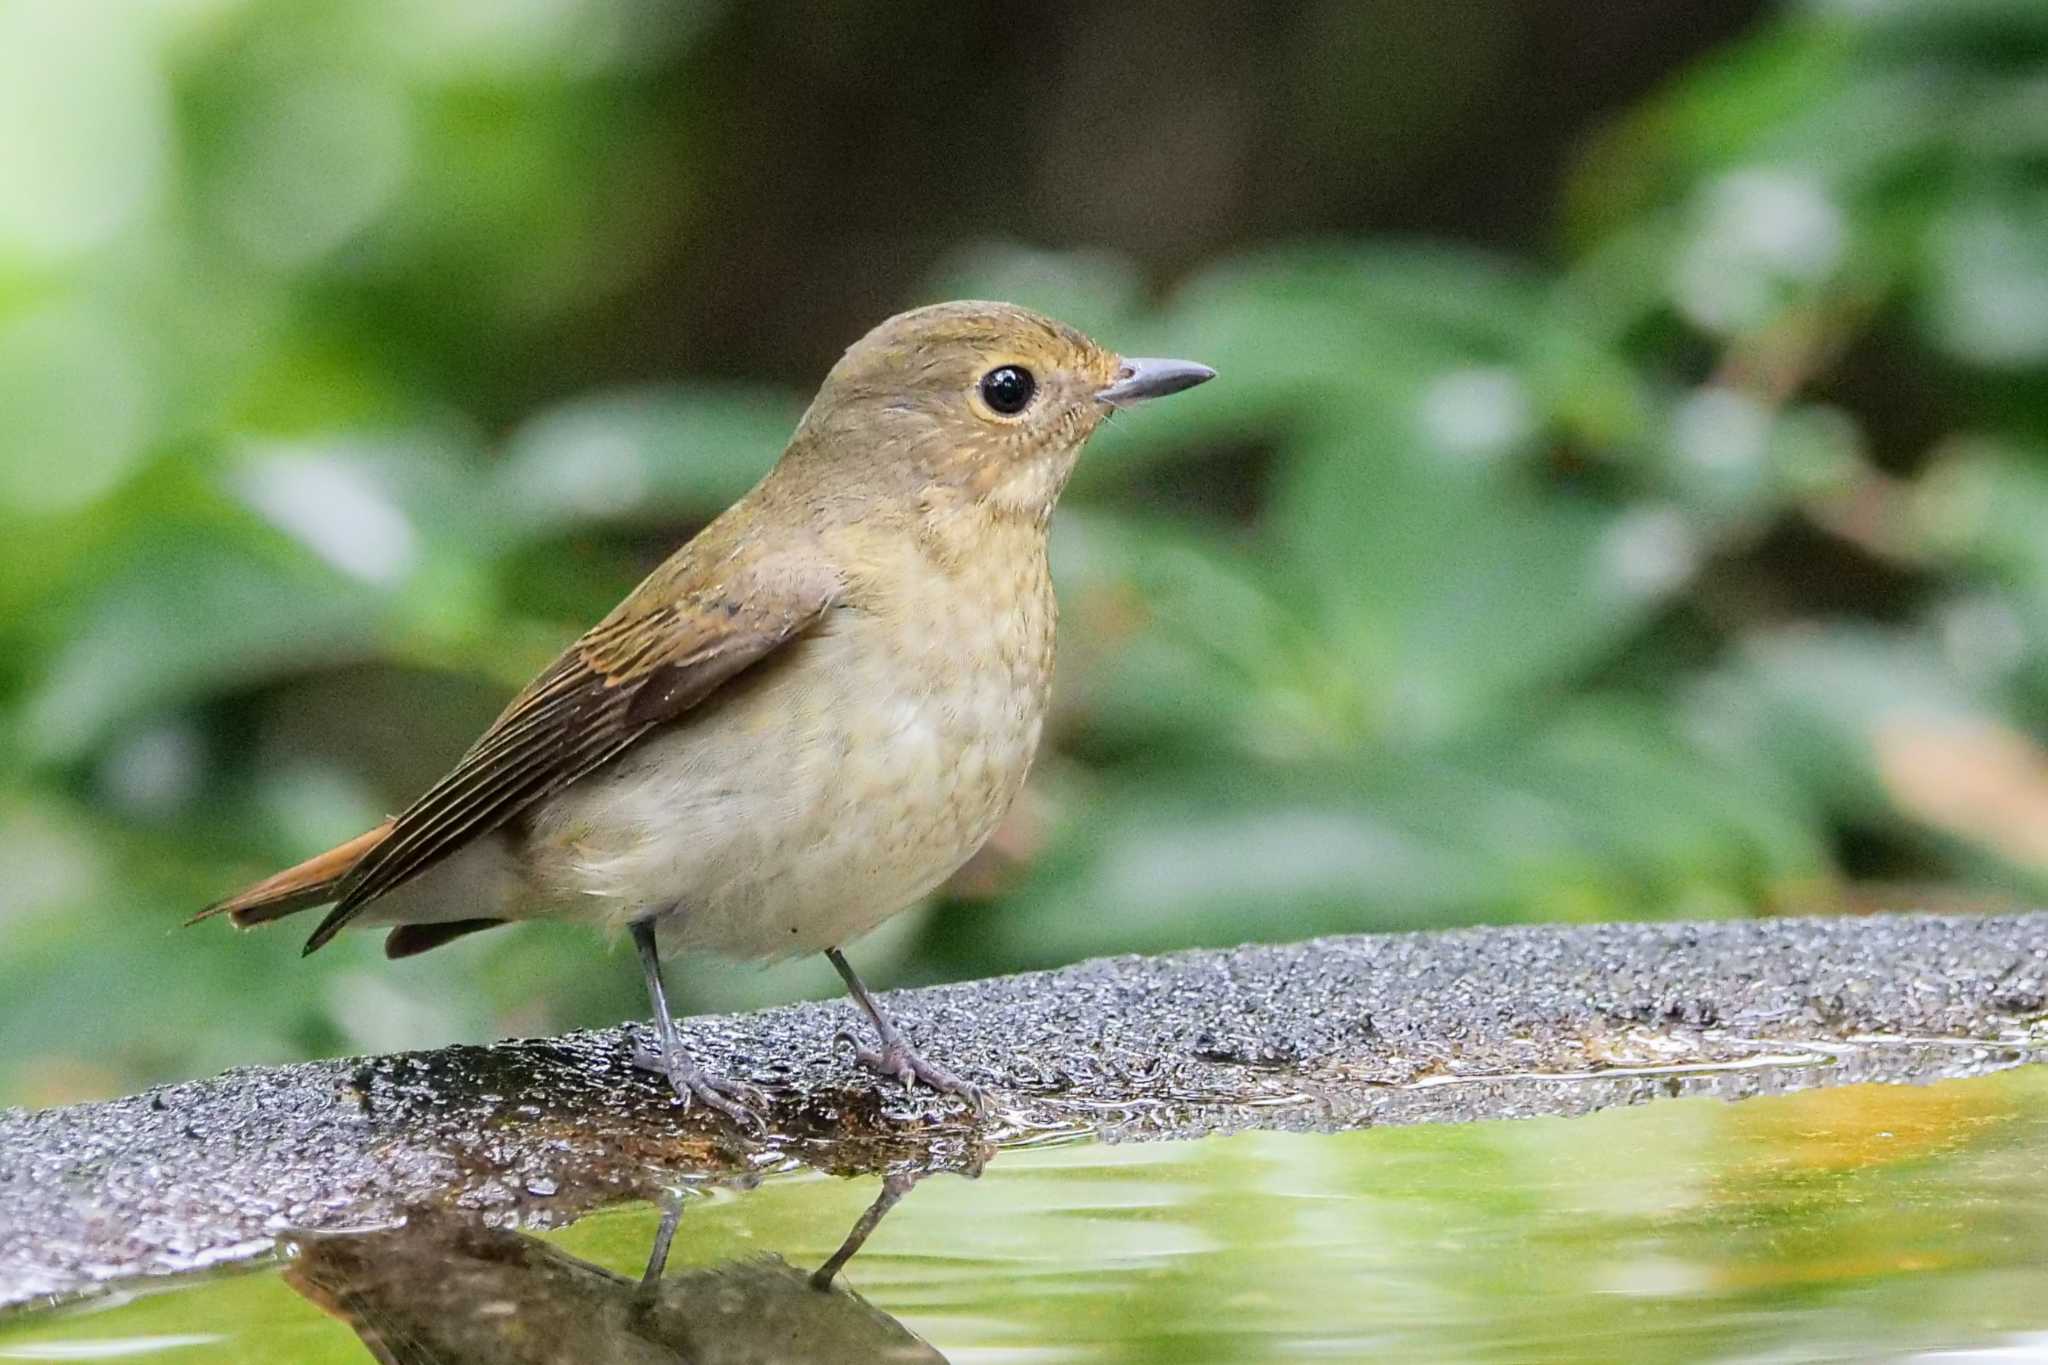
183 619
651 454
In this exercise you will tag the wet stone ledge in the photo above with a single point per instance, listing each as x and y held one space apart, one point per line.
1331 1034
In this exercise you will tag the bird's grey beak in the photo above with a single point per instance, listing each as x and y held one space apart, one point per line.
1140 377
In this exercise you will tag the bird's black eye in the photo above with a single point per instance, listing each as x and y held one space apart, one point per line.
1007 389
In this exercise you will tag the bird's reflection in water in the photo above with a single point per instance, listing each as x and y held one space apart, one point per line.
446 1290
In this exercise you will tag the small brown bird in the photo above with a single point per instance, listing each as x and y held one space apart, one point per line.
803 721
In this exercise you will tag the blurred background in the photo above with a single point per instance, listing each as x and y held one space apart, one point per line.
1624 496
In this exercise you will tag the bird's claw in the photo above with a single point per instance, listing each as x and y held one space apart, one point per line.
899 1060
739 1102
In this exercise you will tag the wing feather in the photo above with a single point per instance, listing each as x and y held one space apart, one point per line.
643 666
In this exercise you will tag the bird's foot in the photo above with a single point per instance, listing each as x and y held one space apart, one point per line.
899 1060
738 1101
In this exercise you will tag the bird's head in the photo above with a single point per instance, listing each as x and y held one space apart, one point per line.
975 401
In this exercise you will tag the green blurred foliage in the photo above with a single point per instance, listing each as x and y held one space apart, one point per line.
1687 561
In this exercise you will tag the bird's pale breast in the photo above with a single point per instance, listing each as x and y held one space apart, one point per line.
836 788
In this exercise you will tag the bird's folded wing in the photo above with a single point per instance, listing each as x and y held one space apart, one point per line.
659 654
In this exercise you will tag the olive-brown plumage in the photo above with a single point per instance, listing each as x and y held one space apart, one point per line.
807 717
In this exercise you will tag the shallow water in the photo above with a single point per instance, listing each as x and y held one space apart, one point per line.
1857 1223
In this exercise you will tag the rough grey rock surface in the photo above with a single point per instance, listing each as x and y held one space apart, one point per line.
1333 1033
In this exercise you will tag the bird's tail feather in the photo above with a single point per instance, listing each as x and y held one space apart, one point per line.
313 882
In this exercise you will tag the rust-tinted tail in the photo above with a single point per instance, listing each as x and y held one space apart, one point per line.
311 883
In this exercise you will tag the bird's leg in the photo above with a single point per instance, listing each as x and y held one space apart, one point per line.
657 1255
729 1098
895 1185
896 1057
